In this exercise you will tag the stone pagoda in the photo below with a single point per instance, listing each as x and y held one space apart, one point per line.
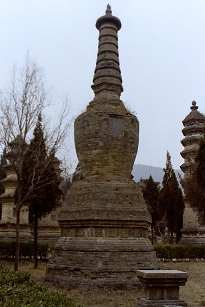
192 232
104 220
7 199
48 228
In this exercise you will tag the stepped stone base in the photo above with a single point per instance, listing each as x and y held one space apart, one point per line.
189 240
194 236
104 237
161 303
192 232
97 263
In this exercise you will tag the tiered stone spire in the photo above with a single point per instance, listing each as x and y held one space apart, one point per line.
192 232
107 75
193 131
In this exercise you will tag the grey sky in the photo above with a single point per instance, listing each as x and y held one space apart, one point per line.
161 50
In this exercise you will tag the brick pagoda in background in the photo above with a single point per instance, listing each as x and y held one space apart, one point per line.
104 220
192 231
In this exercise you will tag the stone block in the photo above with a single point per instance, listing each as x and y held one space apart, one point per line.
162 287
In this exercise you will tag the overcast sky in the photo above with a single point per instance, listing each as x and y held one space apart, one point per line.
161 51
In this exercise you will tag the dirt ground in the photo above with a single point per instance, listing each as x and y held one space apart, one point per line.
193 293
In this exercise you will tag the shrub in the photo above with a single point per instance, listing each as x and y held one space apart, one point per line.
16 289
26 250
44 250
7 250
180 251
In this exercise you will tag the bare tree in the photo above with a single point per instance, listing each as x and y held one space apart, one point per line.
66 175
20 104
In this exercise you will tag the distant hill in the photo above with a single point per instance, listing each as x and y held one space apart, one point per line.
144 171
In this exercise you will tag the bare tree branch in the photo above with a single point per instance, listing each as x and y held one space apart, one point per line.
20 104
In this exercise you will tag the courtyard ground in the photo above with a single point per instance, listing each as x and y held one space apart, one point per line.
193 293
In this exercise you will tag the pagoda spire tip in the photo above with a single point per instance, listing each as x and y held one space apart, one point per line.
194 107
108 10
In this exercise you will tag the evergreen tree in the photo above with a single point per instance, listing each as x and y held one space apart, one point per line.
40 181
171 202
151 196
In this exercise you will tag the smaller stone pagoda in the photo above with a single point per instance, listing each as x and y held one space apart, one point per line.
7 199
48 229
192 232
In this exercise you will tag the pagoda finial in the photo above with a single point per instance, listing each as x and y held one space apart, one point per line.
108 10
108 17
194 107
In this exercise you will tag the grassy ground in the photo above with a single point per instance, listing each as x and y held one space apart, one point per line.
193 293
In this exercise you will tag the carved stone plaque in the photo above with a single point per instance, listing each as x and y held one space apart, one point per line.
115 126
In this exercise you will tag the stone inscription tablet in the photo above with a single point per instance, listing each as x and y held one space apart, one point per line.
115 126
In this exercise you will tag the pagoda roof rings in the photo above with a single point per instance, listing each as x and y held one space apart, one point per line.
185 166
188 121
189 151
193 129
191 140
193 117
107 70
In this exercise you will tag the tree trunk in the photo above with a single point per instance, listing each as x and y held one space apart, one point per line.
35 241
152 235
18 211
172 240
16 263
178 233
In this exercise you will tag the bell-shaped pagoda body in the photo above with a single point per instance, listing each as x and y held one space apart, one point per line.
104 220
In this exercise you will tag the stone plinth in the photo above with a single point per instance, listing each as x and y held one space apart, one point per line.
104 220
162 287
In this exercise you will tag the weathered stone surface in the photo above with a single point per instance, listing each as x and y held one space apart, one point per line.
89 263
104 220
161 303
162 287
104 229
